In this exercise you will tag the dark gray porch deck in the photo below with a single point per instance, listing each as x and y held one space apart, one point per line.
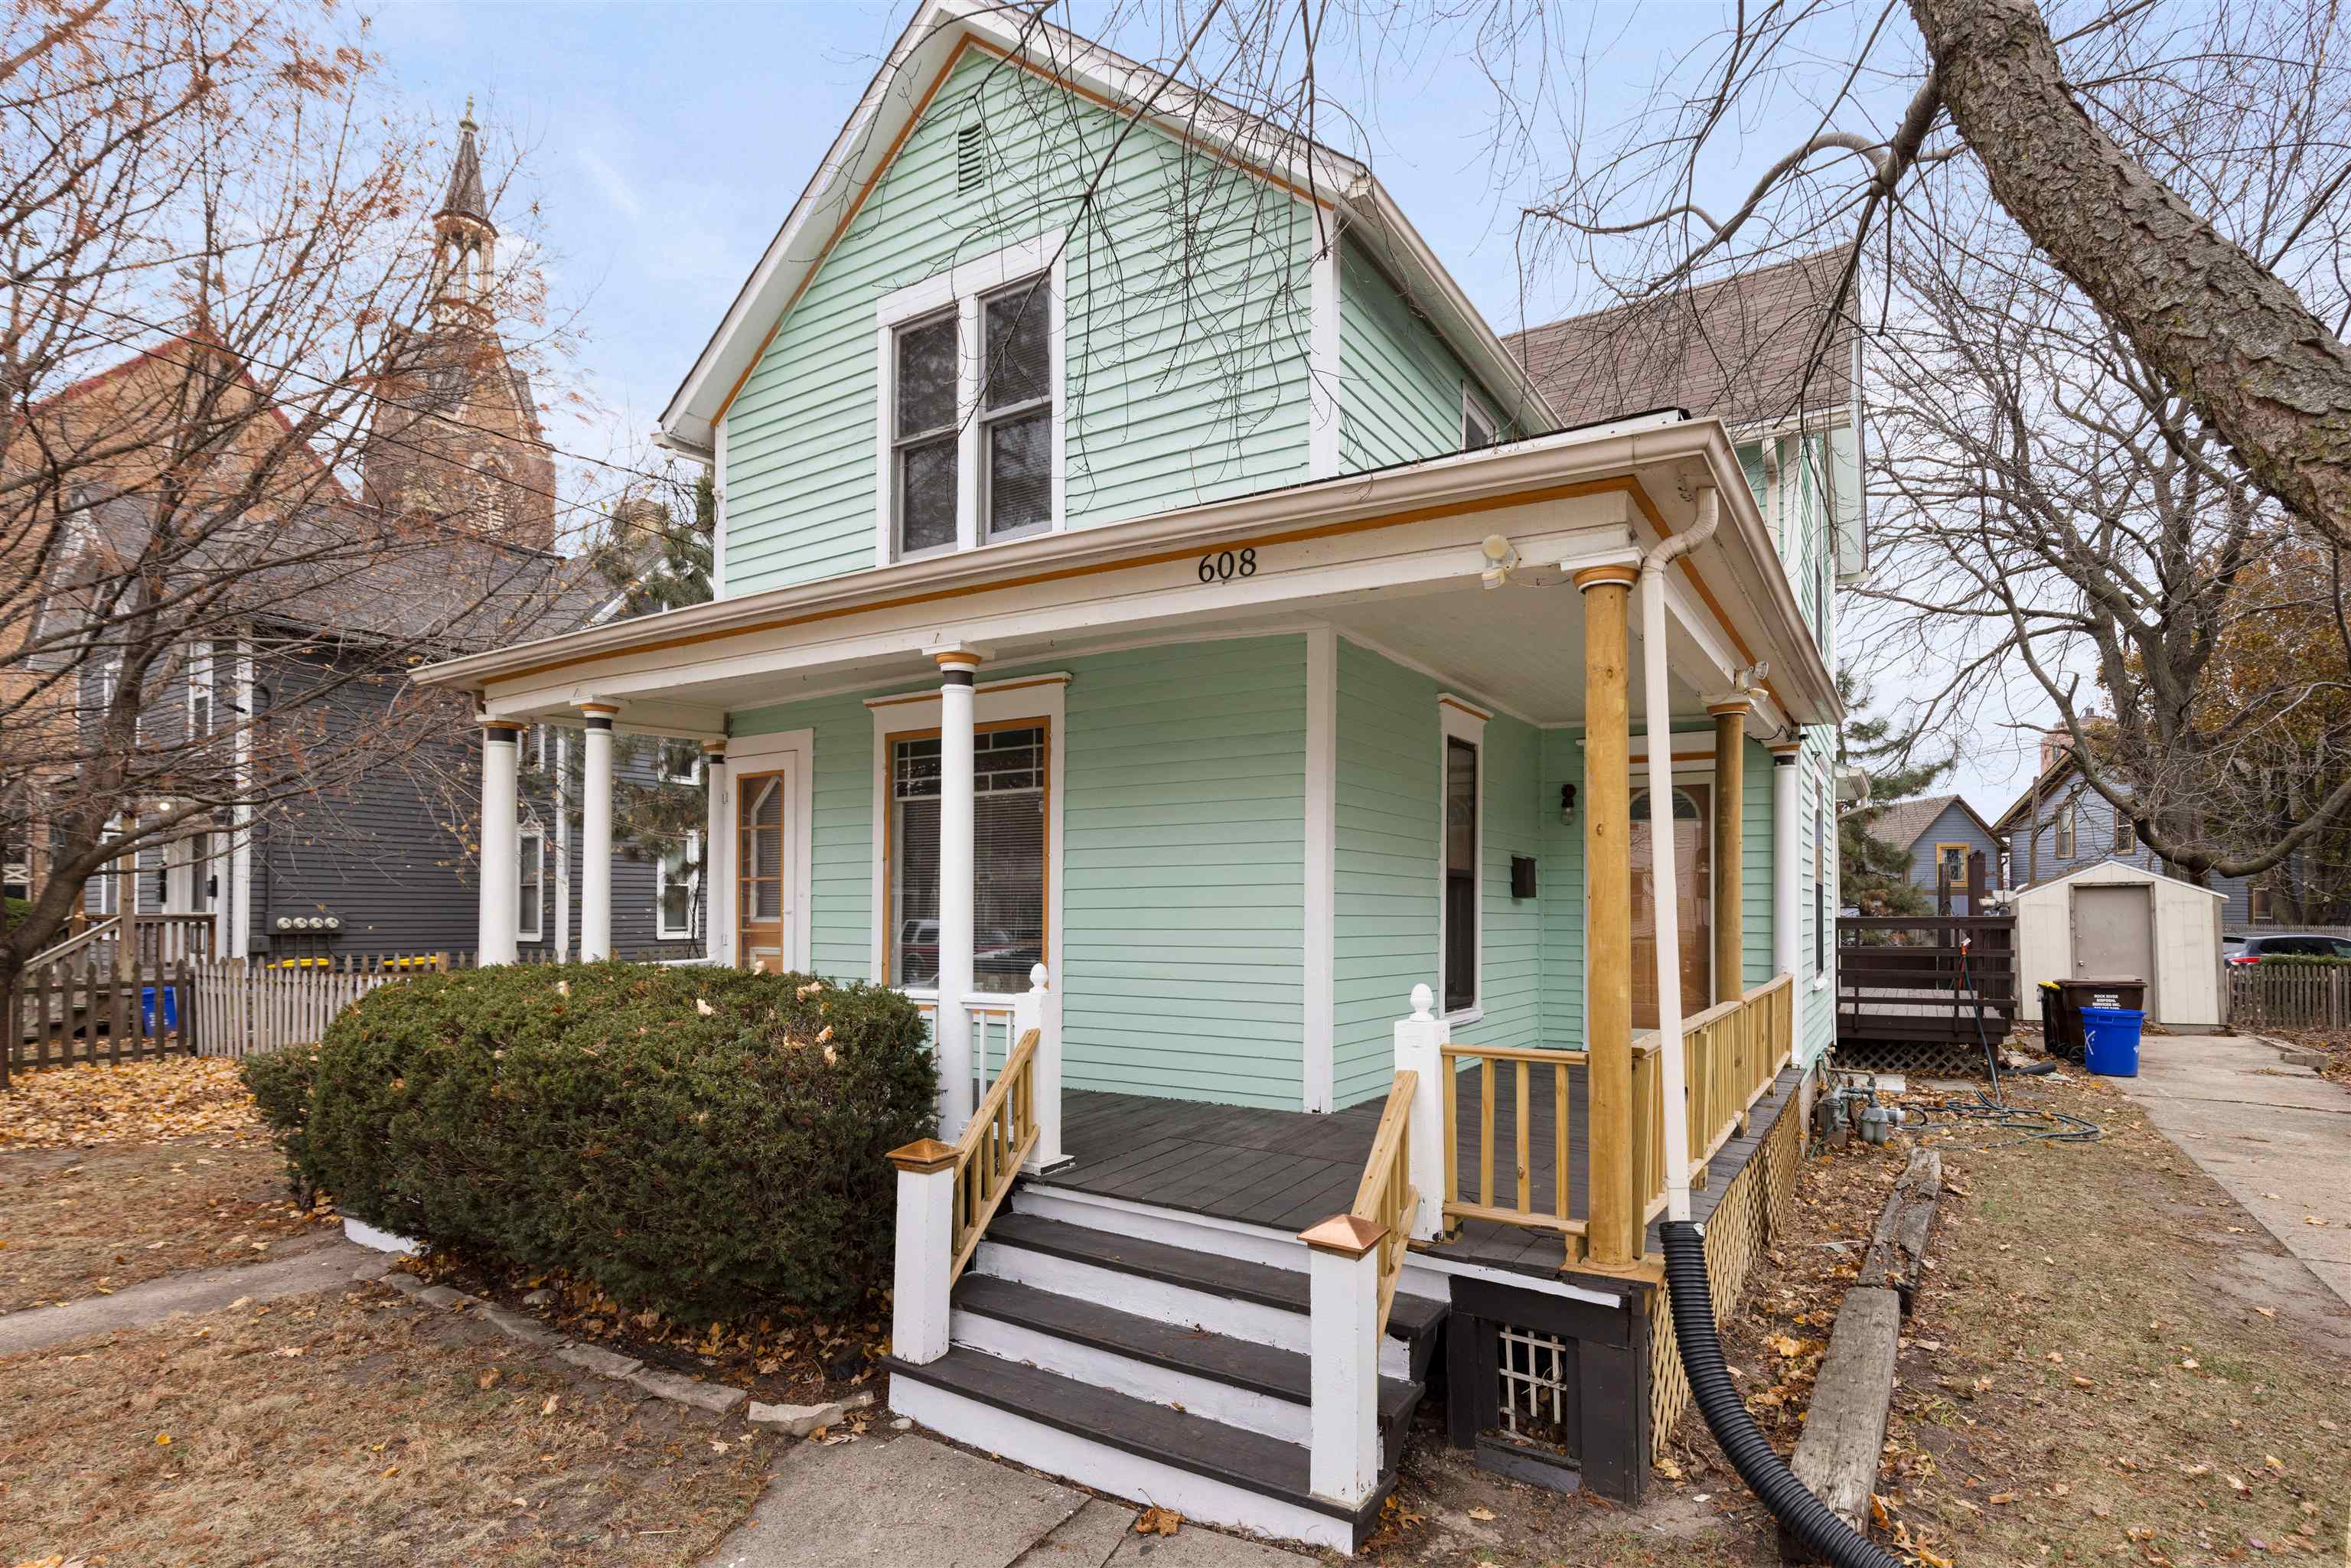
1286 1169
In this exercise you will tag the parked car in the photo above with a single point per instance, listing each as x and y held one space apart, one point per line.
2284 944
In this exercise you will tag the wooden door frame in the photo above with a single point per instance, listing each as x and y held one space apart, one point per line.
791 752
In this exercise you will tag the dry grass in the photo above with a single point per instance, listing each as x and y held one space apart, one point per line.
76 1223
2111 1364
352 1429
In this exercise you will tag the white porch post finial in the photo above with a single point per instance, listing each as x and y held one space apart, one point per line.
1038 1008
596 833
957 783
1420 1051
501 890
918 1297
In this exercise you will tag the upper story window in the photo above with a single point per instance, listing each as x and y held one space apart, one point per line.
1477 424
2064 833
971 408
2126 835
200 691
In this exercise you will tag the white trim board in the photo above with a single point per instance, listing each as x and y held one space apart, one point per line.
1318 1067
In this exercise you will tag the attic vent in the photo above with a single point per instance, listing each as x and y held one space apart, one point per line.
971 159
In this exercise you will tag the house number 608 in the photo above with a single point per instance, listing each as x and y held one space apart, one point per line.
1225 565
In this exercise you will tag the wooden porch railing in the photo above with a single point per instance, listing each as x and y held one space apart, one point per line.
1386 1196
1521 1207
1730 1054
1002 1132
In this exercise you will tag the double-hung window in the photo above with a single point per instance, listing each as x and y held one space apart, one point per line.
676 879
200 691
1460 854
970 415
531 850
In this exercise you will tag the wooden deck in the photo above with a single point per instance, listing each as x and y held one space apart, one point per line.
1286 1169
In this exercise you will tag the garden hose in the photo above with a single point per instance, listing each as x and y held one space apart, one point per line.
1994 1110
1807 1518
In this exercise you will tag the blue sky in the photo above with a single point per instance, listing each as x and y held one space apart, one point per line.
664 144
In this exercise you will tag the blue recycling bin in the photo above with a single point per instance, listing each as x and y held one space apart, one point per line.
171 1008
2110 1039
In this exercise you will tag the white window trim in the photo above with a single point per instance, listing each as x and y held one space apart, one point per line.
200 680
693 774
533 835
1043 699
1459 719
662 930
962 289
1474 407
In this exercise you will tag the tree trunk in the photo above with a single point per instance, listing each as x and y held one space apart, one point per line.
2231 337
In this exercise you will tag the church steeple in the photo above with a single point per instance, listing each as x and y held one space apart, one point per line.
464 240
455 433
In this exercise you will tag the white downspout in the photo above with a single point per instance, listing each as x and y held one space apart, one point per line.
1657 713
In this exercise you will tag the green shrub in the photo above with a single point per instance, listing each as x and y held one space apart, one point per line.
700 1141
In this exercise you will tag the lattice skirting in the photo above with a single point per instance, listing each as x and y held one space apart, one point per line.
1926 1057
1757 1208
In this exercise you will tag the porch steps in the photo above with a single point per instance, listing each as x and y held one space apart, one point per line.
1153 1371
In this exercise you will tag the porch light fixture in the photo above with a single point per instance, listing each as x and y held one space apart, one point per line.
1567 805
1500 555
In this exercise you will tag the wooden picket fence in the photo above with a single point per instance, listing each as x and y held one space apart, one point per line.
2283 994
79 1008
243 1010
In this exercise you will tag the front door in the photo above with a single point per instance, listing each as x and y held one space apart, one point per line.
763 873
1693 838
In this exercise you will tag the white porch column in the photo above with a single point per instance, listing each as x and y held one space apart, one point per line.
1342 1303
1788 874
1038 1008
596 833
715 927
501 875
1420 1049
957 667
918 1297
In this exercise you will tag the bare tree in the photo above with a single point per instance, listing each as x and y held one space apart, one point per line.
212 223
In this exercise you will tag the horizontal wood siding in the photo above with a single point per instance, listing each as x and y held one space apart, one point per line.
841 811
1511 960
1953 825
1399 386
1386 822
1563 890
1187 322
1184 820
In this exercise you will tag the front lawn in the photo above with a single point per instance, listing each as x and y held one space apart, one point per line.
353 1428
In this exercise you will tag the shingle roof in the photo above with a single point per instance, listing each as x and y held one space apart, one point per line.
1900 822
1746 346
354 571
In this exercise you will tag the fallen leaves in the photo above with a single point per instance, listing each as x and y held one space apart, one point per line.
1158 1521
83 1107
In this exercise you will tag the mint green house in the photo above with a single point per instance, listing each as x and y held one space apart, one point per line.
1160 625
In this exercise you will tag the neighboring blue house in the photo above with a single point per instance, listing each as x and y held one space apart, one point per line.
1939 831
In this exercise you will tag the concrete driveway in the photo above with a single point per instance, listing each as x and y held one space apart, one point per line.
2277 1137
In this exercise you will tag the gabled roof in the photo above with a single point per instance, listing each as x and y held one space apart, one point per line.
1901 822
2039 790
941 31
1747 348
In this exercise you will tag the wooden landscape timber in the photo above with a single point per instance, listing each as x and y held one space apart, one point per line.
1844 1429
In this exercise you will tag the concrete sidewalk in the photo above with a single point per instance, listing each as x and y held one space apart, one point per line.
897 1498
2277 1137
337 1263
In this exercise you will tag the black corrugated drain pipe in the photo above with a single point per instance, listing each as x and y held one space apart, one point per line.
1807 1518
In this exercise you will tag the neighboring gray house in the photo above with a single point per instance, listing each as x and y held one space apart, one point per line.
1939 831
2059 824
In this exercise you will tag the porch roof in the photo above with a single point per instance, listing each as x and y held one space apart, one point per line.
1392 556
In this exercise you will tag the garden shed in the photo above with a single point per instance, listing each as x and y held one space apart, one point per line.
2113 919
